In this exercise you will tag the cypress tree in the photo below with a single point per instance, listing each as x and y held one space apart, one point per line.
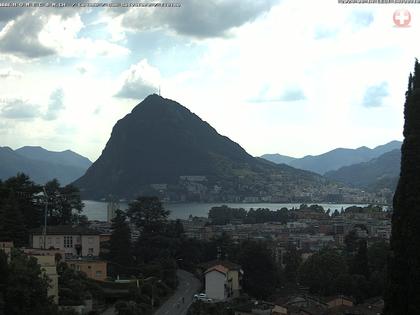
403 279
120 244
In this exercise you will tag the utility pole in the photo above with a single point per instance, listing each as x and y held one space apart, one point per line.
45 217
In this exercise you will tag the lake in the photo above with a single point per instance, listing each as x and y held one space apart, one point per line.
97 210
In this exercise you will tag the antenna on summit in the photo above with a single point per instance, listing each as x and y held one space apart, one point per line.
159 90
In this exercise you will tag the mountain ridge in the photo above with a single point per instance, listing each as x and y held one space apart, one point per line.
162 143
339 157
380 172
41 170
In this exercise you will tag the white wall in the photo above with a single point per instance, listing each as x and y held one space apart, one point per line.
215 285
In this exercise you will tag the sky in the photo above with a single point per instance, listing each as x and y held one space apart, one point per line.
294 77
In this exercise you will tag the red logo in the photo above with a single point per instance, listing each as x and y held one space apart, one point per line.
402 18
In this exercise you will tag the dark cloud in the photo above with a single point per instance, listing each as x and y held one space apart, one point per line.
55 105
21 33
375 95
199 18
18 109
140 81
137 90
21 37
7 14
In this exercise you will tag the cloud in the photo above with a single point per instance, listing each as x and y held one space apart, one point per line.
268 94
375 94
139 81
198 18
292 95
62 34
83 69
21 37
18 109
55 105
7 14
323 32
41 33
361 18
10 73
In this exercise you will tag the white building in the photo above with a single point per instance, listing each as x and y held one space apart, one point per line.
222 280
74 241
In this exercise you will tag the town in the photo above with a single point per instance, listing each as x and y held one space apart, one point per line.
138 260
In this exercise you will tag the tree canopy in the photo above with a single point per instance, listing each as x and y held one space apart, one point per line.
403 285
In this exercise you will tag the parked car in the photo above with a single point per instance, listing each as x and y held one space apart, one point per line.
202 297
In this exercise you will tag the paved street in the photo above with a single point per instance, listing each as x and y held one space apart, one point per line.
188 286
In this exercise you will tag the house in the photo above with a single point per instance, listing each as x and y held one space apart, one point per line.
222 280
47 259
95 269
73 240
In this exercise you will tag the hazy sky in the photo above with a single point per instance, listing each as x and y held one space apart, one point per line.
295 77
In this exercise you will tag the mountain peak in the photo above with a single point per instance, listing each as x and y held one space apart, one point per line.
161 143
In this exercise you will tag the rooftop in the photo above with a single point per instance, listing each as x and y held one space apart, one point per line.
65 230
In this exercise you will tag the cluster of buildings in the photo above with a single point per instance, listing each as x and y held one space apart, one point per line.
77 246
269 188
309 232
304 304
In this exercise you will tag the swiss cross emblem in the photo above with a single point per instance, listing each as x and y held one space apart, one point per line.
402 18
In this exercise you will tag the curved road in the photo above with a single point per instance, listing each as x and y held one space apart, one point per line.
179 302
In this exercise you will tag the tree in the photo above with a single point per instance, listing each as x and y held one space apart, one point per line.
64 204
12 227
403 284
320 271
292 260
20 193
360 261
149 215
260 272
72 288
23 287
120 244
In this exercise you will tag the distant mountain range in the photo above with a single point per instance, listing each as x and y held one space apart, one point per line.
163 148
42 165
335 159
380 172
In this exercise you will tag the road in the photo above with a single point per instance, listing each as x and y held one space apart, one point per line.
187 287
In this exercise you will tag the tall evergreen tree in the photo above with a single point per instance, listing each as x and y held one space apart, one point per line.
403 284
360 260
12 227
120 244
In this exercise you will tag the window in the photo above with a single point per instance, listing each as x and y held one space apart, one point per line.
98 273
89 267
90 240
41 241
68 241
49 240
90 251
57 241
